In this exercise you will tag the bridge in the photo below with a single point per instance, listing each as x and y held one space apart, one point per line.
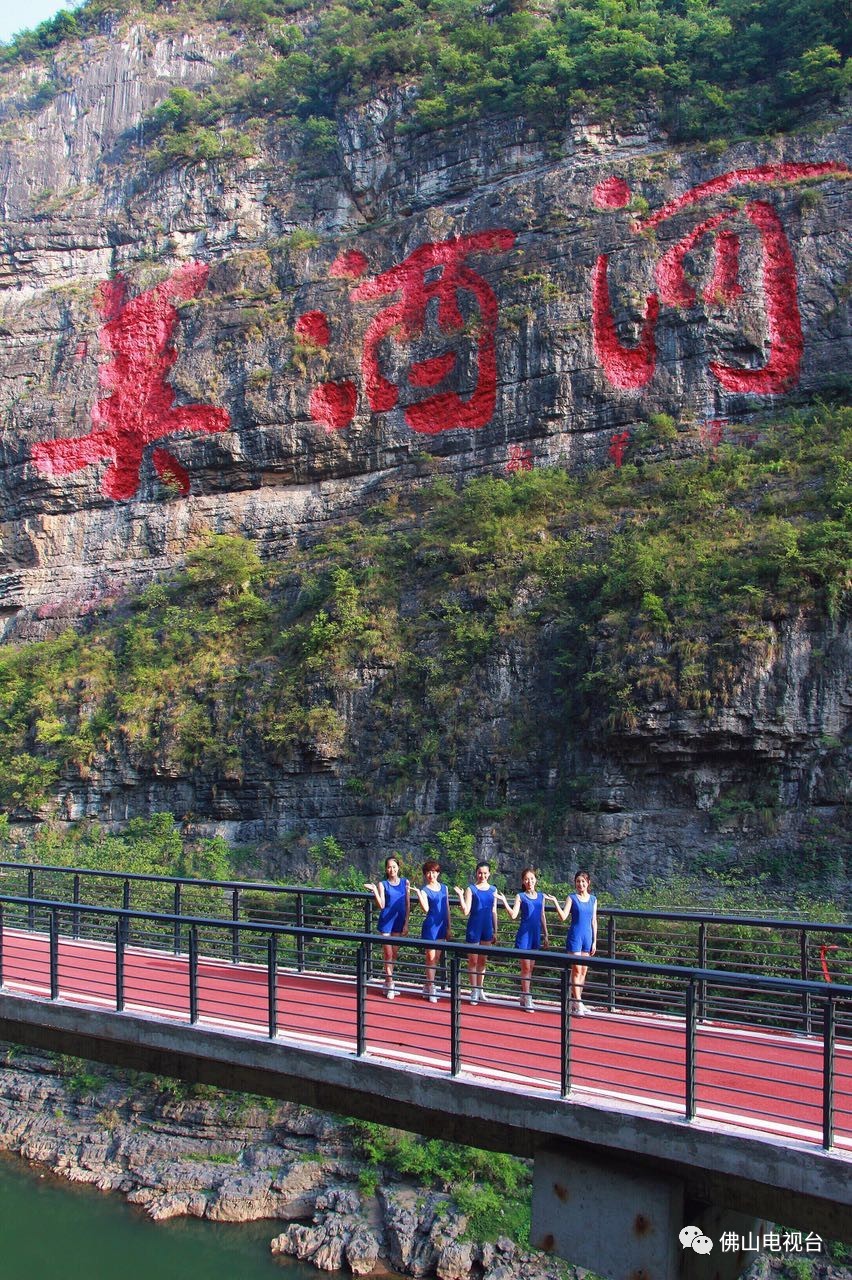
699 1093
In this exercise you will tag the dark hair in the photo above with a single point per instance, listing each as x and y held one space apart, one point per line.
581 872
482 864
527 871
393 858
430 865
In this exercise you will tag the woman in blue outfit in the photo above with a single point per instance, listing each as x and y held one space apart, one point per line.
582 907
532 932
393 901
435 901
479 904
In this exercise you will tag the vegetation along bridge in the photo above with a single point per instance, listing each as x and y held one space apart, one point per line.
711 1083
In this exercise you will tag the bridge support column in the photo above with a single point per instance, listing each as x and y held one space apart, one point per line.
625 1223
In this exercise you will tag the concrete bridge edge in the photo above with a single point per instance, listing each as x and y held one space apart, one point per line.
610 1161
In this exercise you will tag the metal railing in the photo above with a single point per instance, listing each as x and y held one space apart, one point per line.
182 897
777 947
758 1073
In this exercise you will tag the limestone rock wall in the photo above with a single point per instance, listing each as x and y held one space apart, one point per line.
476 299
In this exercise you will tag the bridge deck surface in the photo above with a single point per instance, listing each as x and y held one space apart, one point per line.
760 1081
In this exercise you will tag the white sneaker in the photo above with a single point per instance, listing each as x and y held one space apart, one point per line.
474 995
483 998
573 1006
527 1004
390 991
581 1009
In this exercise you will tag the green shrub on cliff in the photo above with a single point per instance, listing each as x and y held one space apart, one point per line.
709 69
152 846
492 1188
660 584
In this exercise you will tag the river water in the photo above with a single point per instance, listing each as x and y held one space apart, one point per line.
52 1230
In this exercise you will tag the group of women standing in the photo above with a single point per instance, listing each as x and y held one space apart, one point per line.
479 903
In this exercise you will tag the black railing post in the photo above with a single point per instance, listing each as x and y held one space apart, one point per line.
803 974
610 981
125 906
702 964
1 946
368 928
272 983
75 919
828 1040
31 895
361 1000
690 1027
54 954
235 933
119 965
193 974
300 939
455 1016
565 1035
176 905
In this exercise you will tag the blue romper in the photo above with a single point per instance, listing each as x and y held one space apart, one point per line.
392 914
528 937
437 922
580 926
480 922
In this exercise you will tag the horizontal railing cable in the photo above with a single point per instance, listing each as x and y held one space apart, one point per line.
771 1058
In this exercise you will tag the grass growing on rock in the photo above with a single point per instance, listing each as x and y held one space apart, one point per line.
491 1188
657 587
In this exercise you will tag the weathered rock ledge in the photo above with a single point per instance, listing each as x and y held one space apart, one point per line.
417 1235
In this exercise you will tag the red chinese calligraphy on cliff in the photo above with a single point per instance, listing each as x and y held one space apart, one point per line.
433 296
435 272
312 328
333 404
618 446
710 433
140 408
632 366
520 459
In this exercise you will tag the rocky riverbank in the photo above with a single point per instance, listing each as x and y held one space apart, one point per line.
175 1150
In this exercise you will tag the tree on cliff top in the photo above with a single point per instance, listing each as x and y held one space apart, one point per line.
710 67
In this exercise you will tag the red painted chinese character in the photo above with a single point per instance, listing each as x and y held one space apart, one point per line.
618 446
631 367
350 265
140 409
520 459
710 432
333 404
435 273
312 328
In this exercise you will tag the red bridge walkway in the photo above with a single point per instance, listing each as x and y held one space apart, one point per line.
758 1081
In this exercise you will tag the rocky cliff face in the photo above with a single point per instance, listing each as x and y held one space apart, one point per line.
255 347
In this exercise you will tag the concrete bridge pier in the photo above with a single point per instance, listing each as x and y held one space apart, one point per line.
625 1223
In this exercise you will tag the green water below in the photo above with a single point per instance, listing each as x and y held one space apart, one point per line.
52 1230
